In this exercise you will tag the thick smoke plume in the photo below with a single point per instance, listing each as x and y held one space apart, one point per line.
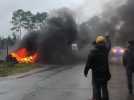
126 15
121 18
116 20
54 41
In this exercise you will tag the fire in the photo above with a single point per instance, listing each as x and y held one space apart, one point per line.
22 56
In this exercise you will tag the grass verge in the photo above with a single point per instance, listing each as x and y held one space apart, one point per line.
8 68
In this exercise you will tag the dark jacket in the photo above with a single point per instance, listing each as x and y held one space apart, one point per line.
128 58
98 62
108 44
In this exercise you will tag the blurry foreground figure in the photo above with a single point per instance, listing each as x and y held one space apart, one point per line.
98 62
128 62
108 42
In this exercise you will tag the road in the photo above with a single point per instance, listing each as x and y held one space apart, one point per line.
62 83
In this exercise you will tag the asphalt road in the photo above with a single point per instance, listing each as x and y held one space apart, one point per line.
62 83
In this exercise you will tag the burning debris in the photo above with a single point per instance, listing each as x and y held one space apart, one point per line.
22 56
51 44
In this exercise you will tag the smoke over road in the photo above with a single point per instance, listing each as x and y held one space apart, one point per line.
116 20
126 15
54 41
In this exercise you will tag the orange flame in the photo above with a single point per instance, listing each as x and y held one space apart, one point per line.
22 56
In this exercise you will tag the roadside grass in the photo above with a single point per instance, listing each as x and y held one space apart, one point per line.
8 68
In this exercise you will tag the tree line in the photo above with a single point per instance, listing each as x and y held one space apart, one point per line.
26 20
23 21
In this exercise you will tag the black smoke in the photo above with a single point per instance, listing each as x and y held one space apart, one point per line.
96 26
54 41
116 20
126 15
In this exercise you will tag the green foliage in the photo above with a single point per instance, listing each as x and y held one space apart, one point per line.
8 68
10 41
39 19
26 20
17 20
28 23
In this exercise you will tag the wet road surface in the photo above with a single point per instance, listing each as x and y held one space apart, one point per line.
62 83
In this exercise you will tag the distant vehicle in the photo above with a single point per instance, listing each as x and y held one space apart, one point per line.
116 54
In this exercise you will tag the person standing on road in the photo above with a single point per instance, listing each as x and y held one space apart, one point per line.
128 62
108 42
98 62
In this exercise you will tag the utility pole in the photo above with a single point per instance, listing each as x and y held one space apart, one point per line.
7 49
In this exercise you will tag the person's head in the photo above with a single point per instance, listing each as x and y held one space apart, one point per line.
131 43
107 37
100 40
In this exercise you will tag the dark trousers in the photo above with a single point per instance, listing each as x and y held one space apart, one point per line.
100 91
129 81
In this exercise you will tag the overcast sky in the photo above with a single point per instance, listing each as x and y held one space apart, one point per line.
83 8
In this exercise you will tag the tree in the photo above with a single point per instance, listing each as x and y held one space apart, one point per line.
28 21
18 21
39 19
25 20
10 40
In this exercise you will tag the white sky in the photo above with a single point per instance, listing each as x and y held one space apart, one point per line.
84 9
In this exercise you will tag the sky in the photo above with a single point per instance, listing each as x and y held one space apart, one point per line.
84 9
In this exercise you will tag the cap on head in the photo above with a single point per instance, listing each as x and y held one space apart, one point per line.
100 39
